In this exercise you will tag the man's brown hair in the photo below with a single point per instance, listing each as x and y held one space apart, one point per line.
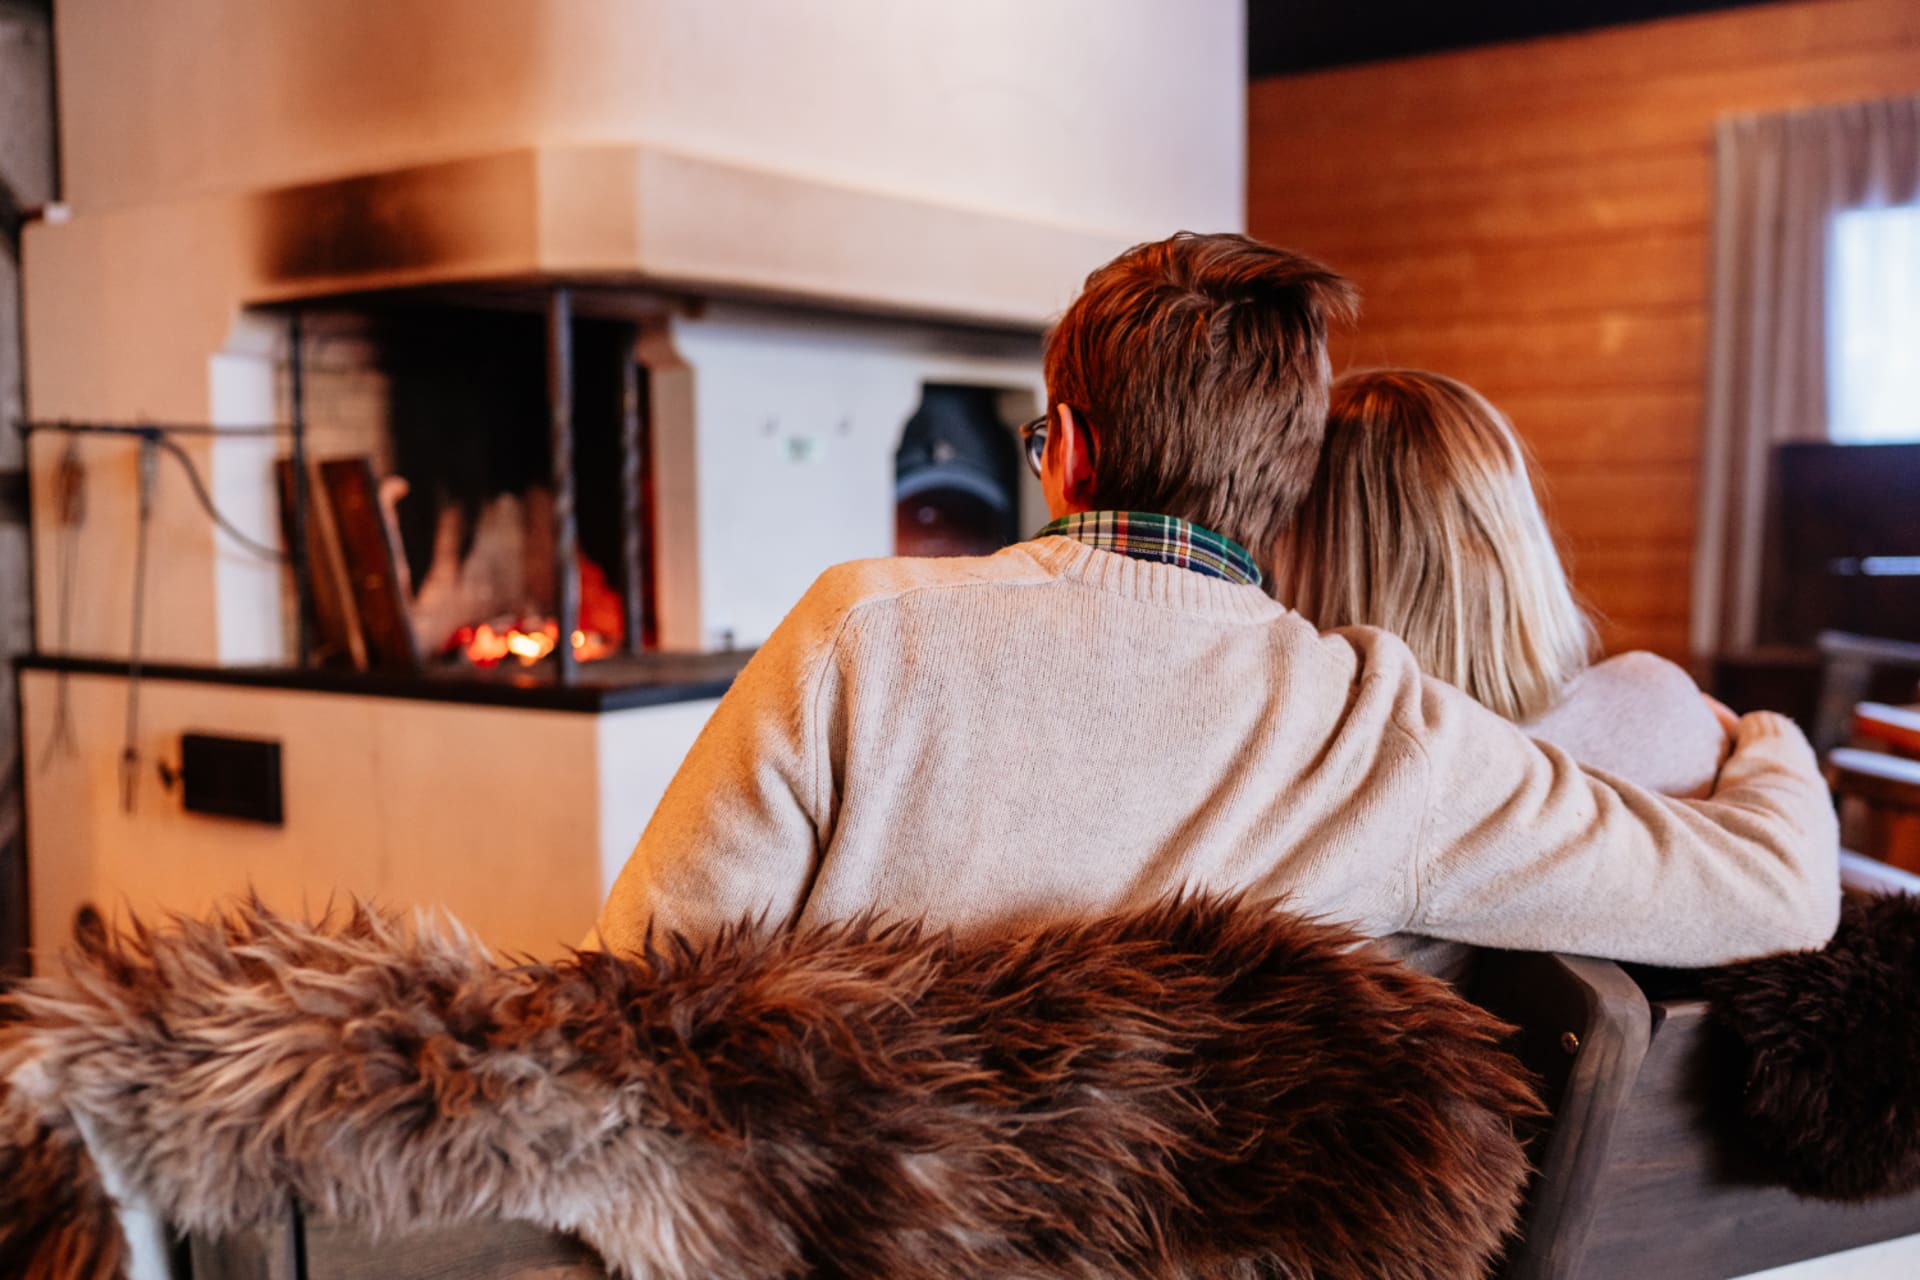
1200 363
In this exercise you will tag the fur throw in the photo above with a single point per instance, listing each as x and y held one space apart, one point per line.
1206 1088
1829 1043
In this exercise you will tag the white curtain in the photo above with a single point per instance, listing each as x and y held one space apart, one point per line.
1779 183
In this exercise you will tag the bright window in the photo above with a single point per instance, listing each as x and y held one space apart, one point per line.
1873 326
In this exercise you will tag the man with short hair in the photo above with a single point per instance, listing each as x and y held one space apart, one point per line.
1116 710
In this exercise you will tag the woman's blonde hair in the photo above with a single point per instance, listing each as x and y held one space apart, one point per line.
1423 520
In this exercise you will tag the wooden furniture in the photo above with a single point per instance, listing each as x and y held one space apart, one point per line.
1856 669
1819 686
305 1248
1641 1171
1879 797
1859 874
1872 748
1842 531
1894 729
1584 1029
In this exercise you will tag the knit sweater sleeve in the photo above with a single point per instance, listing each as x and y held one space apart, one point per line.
738 834
1523 848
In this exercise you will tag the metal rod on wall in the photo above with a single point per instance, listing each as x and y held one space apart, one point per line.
632 472
297 523
566 574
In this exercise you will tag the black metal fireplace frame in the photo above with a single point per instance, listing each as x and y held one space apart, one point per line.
560 310
560 431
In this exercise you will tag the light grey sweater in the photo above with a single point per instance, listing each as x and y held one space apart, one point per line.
1641 717
1056 730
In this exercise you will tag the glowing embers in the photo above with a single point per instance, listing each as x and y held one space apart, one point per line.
500 581
523 640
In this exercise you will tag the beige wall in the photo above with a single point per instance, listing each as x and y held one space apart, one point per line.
1119 116
1533 218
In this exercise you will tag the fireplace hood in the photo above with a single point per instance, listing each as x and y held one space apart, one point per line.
642 216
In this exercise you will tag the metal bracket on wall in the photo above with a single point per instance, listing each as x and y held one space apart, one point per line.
130 750
13 496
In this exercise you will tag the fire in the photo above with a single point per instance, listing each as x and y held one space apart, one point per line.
530 646
527 640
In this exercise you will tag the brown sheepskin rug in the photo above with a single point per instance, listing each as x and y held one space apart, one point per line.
1202 1089
1828 1043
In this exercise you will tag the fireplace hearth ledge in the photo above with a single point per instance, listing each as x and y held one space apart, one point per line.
614 684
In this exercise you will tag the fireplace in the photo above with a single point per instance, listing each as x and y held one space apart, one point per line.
451 407
832 434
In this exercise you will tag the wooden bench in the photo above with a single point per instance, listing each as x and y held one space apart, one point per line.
305 1248
1879 796
1890 728
1637 1175
1856 669
1641 1173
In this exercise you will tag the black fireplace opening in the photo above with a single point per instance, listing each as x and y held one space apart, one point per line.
439 542
957 475
468 422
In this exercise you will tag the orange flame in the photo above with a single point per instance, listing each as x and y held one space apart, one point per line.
527 640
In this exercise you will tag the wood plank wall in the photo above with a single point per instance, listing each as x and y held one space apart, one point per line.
1533 218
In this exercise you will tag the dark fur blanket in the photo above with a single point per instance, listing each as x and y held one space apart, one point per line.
1202 1089
1828 1047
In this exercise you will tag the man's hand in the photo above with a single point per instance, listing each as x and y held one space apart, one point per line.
1755 725
1751 727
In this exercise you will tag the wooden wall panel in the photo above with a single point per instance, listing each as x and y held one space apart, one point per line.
1614 347
1519 206
1448 279
1534 218
1571 429
1599 116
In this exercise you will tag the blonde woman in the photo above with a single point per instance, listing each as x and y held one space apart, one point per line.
1423 521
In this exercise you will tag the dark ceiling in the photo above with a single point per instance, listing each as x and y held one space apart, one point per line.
1285 36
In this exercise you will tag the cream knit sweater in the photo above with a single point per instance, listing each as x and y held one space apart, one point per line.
1058 730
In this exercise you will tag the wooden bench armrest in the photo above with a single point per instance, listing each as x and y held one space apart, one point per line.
1844 646
1875 776
1896 727
1584 1027
1861 874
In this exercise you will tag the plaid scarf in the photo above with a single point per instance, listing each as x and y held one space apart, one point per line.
1167 539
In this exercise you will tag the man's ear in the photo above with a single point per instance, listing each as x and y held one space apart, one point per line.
1074 438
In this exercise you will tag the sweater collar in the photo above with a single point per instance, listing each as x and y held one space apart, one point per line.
1163 539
